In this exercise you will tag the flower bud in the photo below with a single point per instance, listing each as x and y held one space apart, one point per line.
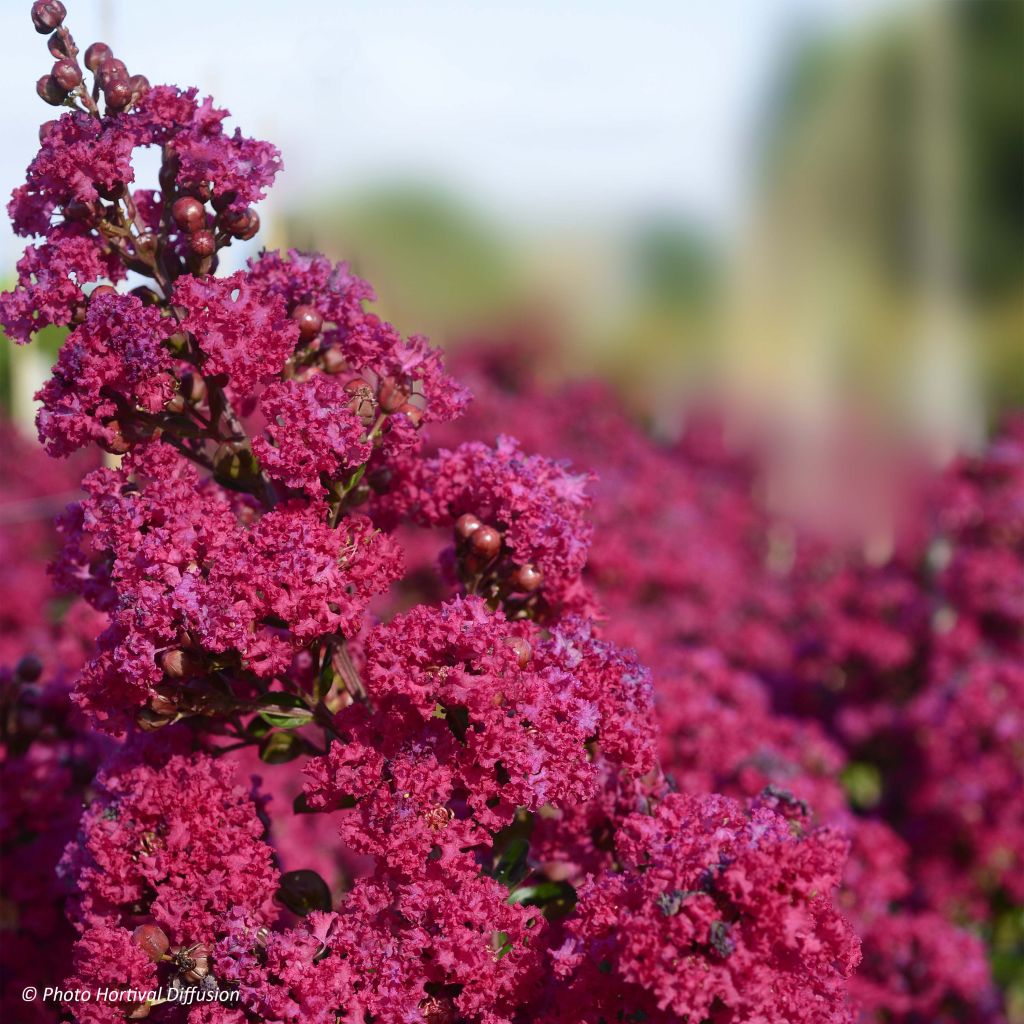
67 74
175 663
48 15
189 214
57 44
152 940
118 95
202 243
526 578
466 525
116 443
139 85
96 54
45 128
413 413
392 396
521 647
333 361
111 70
102 289
240 224
146 295
485 542
48 89
309 320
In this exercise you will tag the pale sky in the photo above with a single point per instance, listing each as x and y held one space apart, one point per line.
534 109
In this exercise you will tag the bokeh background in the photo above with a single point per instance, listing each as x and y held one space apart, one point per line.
808 212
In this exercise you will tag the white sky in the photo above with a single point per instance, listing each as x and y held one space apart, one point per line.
536 109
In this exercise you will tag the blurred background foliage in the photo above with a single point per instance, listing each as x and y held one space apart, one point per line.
878 263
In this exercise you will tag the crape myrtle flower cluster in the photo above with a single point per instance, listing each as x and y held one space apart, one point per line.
264 434
883 697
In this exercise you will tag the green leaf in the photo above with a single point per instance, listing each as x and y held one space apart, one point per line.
290 719
511 866
302 891
279 747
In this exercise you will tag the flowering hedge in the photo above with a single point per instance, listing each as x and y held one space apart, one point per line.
326 778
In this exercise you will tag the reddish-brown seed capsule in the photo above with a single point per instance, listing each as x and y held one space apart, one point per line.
309 320
96 54
527 578
47 15
466 525
152 940
102 289
30 668
522 649
118 95
189 214
485 542
202 243
48 89
67 74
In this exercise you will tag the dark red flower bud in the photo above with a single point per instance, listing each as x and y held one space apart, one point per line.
522 649
118 95
202 243
146 294
77 211
111 70
45 128
30 668
485 542
102 289
67 74
223 200
111 192
48 89
193 387
241 224
96 54
175 663
47 15
57 44
189 214
333 361
309 320
466 525
392 396
527 578
413 413
116 443
139 85
161 704
152 940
